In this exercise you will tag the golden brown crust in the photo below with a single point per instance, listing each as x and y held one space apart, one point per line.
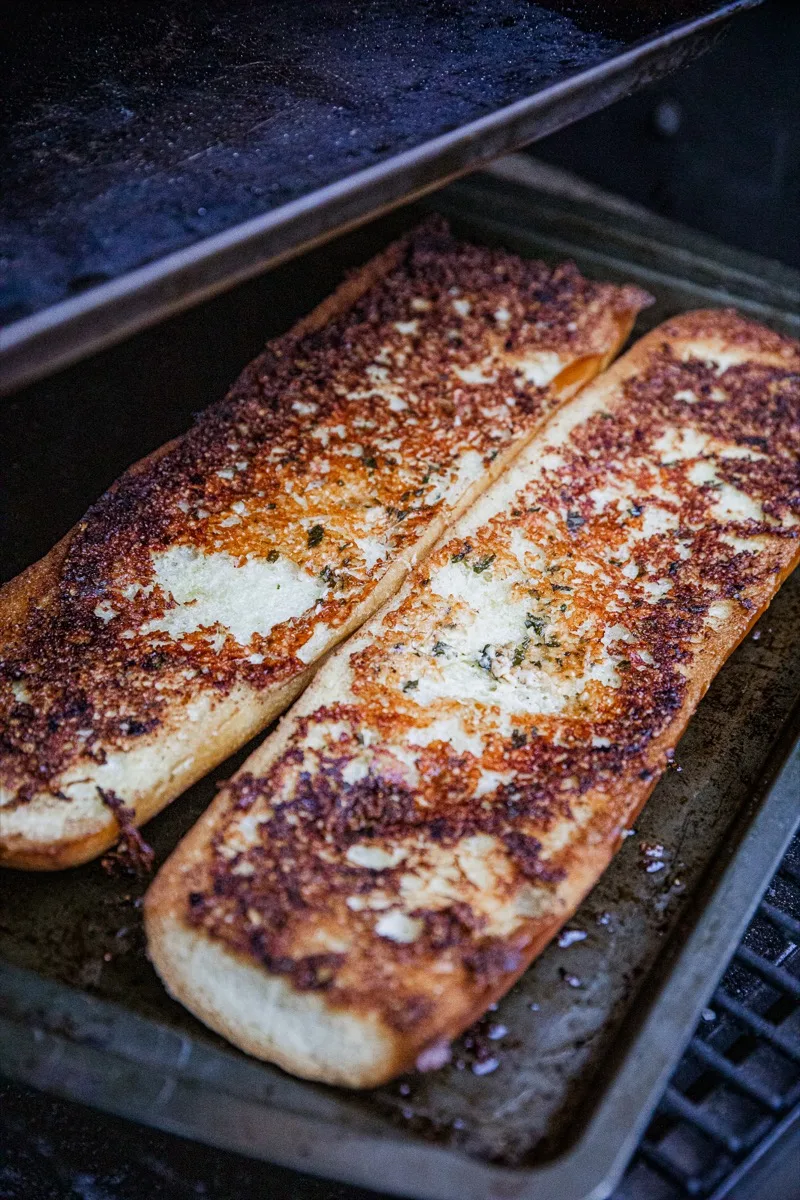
127 666
461 771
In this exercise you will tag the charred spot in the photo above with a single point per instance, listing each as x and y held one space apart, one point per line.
130 727
525 852
370 807
491 959
154 661
450 926
245 790
132 855
313 972
404 1013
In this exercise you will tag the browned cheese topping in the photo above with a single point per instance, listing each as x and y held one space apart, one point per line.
233 558
445 767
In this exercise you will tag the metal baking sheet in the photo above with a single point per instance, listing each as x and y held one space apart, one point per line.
151 158
586 1041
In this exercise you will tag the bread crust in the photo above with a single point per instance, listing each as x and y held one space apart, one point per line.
706 398
81 713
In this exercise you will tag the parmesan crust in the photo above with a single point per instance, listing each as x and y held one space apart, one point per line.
192 602
459 774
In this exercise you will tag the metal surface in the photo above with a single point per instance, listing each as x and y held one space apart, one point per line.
736 1094
588 1039
149 163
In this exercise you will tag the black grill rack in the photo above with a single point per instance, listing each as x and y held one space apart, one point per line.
737 1089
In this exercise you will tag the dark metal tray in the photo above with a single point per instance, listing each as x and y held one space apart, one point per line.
151 156
594 1029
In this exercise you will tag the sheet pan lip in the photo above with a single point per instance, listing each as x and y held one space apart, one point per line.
689 249
71 329
780 297
589 1170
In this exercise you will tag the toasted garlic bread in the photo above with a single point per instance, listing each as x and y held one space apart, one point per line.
189 606
459 773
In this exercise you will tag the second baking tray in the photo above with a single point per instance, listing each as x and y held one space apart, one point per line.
151 159
577 1054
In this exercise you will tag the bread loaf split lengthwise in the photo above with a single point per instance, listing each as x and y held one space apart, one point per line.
460 772
190 605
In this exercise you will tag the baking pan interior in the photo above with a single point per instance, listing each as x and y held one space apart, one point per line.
521 1086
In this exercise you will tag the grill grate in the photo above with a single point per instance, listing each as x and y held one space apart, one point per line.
738 1084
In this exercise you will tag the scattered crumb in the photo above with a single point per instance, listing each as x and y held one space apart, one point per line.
670 757
568 937
435 1056
495 1032
486 1067
653 857
708 1014
477 1044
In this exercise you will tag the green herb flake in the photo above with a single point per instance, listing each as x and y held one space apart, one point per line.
410 685
535 623
520 652
315 535
273 556
439 648
483 563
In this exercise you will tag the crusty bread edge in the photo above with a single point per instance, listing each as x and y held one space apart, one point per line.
85 841
310 1037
